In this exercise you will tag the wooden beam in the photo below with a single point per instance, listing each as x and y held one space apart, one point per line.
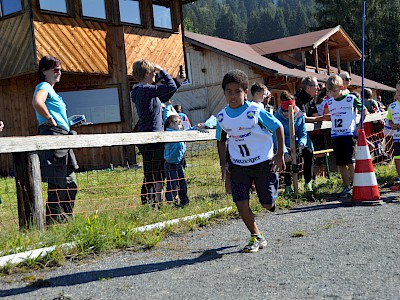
348 67
304 60
338 60
328 59
315 52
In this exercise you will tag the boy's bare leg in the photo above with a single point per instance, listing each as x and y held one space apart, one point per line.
247 216
345 175
351 172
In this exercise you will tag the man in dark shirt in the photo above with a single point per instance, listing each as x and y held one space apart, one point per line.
305 100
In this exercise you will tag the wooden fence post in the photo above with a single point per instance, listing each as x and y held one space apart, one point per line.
29 190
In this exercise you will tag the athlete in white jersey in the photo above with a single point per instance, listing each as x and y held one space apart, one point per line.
343 112
249 156
343 109
393 116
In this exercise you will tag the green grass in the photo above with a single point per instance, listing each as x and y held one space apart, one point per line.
108 209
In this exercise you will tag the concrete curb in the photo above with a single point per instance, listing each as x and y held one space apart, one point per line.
14 259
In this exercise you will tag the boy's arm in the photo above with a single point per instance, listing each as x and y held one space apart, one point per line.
277 160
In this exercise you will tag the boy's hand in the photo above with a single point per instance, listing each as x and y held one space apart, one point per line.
278 163
224 170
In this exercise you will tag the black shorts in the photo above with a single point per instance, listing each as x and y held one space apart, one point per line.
396 150
266 182
344 150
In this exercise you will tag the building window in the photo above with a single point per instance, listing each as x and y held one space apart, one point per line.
94 9
59 6
162 15
98 105
129 11
8 7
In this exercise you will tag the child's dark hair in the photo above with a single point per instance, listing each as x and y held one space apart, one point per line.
171 119
236 76
285 96
46 63
178 108
257 87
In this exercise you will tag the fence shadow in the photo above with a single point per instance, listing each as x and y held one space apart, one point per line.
86 277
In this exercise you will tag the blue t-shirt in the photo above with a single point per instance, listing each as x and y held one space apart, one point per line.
55 105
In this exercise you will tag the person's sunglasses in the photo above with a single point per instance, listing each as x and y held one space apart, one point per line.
284 110
348 79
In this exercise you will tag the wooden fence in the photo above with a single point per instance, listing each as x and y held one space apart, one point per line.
27 167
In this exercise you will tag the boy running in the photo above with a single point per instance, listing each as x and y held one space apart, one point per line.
249 155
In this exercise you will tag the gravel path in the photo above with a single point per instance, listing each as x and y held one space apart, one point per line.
345 253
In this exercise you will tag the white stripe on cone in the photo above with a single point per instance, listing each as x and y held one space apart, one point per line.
365 179
363 153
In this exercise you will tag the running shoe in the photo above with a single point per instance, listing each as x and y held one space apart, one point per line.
346 192
255 244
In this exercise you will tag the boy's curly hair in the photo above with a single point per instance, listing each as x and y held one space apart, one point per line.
236 76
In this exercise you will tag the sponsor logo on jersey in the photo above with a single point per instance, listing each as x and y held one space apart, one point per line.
246 161
245 128
220 117
251 114
240 136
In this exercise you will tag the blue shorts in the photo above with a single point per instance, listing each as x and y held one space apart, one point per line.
265 180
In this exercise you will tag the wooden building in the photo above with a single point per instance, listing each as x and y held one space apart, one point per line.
97 41
280 64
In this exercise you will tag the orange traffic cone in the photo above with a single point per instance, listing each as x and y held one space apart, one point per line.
365 186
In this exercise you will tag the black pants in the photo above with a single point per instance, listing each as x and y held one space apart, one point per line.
153 169
308 167
58 170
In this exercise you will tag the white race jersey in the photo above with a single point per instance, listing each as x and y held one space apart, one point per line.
343 116
395 108
248 143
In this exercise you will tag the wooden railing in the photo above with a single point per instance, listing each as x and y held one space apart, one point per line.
27 166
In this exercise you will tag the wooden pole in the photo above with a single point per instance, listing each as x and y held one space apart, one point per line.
293 150
28 180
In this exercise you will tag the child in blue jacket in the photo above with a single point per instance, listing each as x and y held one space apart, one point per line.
304 148
173 156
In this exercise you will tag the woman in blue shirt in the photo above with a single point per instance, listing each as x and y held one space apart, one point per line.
57 166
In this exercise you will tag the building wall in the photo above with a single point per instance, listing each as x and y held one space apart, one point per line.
204 96
16 47
93 55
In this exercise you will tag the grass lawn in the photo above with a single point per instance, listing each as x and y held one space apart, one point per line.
108 209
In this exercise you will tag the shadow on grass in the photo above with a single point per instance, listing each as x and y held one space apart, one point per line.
91 276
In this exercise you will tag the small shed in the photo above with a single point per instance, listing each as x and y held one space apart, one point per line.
97 42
